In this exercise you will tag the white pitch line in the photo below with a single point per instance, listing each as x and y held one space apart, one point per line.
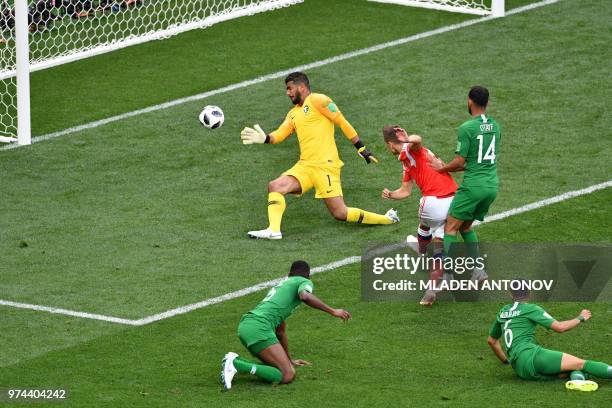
548 201
67 312
242 292
263 285
279 74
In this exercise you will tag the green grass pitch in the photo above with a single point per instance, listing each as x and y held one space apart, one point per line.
150 213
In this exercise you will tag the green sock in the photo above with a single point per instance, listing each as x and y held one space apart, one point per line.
471 239
578 375
448 241
265 372
598 369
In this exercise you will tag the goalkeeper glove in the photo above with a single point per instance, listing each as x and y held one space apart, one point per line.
254 135
365 153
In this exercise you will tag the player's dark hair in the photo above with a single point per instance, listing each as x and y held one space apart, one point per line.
298 78
389 133
300 268
521 293
479 95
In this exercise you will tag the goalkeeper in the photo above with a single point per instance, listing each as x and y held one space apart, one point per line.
312 119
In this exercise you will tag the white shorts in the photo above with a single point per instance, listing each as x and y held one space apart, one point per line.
433 212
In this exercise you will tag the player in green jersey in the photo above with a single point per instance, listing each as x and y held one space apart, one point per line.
517 322
476 155
262 330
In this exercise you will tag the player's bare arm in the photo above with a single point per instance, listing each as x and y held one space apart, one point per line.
316 303
415 141
457 164
403 192
497 349
567 325
281 335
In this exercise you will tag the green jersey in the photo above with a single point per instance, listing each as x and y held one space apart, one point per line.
478 143
517 323
282 300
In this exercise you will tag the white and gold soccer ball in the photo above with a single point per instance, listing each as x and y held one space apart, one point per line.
211 117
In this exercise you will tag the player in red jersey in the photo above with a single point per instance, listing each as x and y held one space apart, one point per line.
437 190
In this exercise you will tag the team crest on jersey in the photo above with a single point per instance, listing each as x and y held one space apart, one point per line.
306 109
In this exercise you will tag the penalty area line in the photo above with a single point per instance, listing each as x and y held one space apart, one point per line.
263 285
66 312
279 74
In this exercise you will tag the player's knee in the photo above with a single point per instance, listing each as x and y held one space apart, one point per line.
339 213
278 186
274 186
287 376
450 229
580 363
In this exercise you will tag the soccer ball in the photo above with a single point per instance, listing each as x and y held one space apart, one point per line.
211 117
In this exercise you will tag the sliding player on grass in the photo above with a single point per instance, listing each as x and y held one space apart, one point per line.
437 191
517 322
262 330
476 154
312 119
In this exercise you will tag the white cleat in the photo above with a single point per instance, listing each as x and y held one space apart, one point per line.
227 370
479 275
392 215
265 234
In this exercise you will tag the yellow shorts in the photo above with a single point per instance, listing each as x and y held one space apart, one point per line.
324 179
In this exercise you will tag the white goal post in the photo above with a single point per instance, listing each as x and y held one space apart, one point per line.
39 34
494 8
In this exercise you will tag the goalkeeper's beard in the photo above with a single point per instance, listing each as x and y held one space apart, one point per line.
297 99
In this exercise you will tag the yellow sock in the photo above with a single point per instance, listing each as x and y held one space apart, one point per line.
365 217
276 208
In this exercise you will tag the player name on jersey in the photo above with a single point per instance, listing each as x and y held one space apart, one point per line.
507 315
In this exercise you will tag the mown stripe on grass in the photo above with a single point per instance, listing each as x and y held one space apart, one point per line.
267 284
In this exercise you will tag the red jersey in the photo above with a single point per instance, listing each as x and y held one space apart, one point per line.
417 168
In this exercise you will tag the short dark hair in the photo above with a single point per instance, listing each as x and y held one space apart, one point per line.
389 133
300 268
298 78
479 95
521 293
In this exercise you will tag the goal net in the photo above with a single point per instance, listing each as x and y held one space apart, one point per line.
61 31
478 7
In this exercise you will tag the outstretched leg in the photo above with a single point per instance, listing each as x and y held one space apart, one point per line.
581 370
551 363
341 212
594 368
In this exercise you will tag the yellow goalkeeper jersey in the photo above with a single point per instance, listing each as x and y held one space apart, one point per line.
313 122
